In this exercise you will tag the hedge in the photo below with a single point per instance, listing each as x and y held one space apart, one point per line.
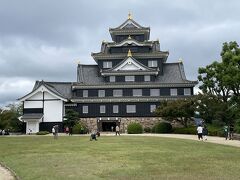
79 129
42 133
162 127
135 128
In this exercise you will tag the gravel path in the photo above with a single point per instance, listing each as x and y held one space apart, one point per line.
7 175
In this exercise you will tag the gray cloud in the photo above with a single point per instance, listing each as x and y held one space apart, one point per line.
44 39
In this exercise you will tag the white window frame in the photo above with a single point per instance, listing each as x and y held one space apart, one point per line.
116 94
173 92
102 109
85 109
137 92
147 78
153 91
101 93
152 63
115 109
131 108
187 91
112 78
85 93
153 107
129 78
107 64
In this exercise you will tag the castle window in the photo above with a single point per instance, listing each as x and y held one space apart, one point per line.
117 92
115 108
101 93
137 92
152 64
154 92
131 108
187 91
173 92
112 78
107 64
129 78
146 78
152 107
102 109
85 109
85 93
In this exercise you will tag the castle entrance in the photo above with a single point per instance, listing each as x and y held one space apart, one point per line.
107 125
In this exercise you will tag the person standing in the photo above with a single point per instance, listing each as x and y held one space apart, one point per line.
205 132
67 130
225 129
200 131
231 129
54 132
117 131
70 131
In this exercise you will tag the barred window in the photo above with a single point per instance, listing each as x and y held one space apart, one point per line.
112 78
187 91
147 78
85 93
85 109
115 108
154 92
129 78
137 92
101 93
117 92
152 107
131 108
107 64
173 92
152 64
102 109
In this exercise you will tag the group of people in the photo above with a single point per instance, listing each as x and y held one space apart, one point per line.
4 132
69 130
95 134
228 132
202 132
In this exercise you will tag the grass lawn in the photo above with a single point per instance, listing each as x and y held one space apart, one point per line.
41 157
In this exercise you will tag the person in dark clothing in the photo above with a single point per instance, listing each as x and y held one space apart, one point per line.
225 129
93 136
231 129
205 132
70 131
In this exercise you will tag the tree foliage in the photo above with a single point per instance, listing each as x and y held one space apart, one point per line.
220 84
71 117
9 118
181 110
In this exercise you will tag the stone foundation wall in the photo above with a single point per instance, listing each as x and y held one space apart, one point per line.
91 123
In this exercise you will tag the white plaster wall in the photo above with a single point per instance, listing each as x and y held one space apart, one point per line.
53 111
49 96
33 104
38 95
33 125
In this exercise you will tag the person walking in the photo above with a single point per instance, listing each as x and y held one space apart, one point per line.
93 135
231 129
54 132
117 130
199 132
225 130
70 131
205 132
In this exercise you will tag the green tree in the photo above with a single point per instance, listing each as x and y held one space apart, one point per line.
71 117
9 118
181 110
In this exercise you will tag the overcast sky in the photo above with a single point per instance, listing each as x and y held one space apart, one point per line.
43 40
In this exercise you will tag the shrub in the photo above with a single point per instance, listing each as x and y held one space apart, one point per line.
134 128
79 129
147 129
162 127
188 130
42 133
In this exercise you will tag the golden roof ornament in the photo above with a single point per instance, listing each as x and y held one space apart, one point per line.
129 37
78 61
129 15
129 53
